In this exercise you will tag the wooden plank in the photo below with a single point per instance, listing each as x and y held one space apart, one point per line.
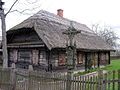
88 83
64 78
108 82
98 59
119 79
105 83
100 79
91 88
93 81
80 83
113 79
85 83
75 83
109 57
96 88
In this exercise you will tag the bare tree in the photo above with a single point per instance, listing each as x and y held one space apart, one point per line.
106 33
3 26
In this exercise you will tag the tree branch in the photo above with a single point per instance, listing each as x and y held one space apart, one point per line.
32 2
11 7
23 11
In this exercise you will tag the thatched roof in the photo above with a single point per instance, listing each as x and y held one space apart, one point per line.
49 28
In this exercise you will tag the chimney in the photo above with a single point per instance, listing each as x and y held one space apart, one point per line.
60 12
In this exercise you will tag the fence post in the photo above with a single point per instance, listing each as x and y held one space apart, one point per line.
30 81
100 80
68 84
118 79
5 79
13 78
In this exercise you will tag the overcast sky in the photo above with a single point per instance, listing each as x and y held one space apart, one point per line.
105 12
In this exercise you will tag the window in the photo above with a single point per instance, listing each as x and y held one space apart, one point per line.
54 58
24 55
107 56
94 59
80 58
62 60
13 55
42 57
102 58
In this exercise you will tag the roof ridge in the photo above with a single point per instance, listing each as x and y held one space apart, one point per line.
53 17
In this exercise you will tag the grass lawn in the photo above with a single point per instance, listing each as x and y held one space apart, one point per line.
115 65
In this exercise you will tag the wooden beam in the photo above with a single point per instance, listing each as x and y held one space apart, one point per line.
109 57
48 59
98 59
85 61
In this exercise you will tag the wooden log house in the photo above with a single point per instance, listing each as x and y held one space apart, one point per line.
38 41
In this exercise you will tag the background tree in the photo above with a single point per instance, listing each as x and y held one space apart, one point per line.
106 33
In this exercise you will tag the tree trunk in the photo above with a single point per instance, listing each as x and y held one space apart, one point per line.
4 41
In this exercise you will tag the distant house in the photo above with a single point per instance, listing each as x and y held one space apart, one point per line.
39 41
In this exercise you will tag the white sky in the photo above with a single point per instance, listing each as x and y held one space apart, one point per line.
84 11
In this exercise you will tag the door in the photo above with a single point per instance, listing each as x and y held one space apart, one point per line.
88 61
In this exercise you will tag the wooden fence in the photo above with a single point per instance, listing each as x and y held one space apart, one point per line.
36 80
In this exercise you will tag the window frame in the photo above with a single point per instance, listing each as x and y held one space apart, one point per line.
25 60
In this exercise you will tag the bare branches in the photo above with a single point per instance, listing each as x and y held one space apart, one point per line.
106 33
25 11
11 7
31 2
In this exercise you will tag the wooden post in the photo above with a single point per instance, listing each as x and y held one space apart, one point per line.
5 79
105 81
30 81
30 68
13 79
113 79
48 60
100 79
85 61
109 58
98 59
13 66
119 79
68 85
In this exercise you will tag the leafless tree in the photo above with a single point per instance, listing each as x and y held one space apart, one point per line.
3 24
106 33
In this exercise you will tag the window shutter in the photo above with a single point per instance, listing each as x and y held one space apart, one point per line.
15 55
35 56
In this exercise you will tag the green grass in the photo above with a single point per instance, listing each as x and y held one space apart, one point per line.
115 65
